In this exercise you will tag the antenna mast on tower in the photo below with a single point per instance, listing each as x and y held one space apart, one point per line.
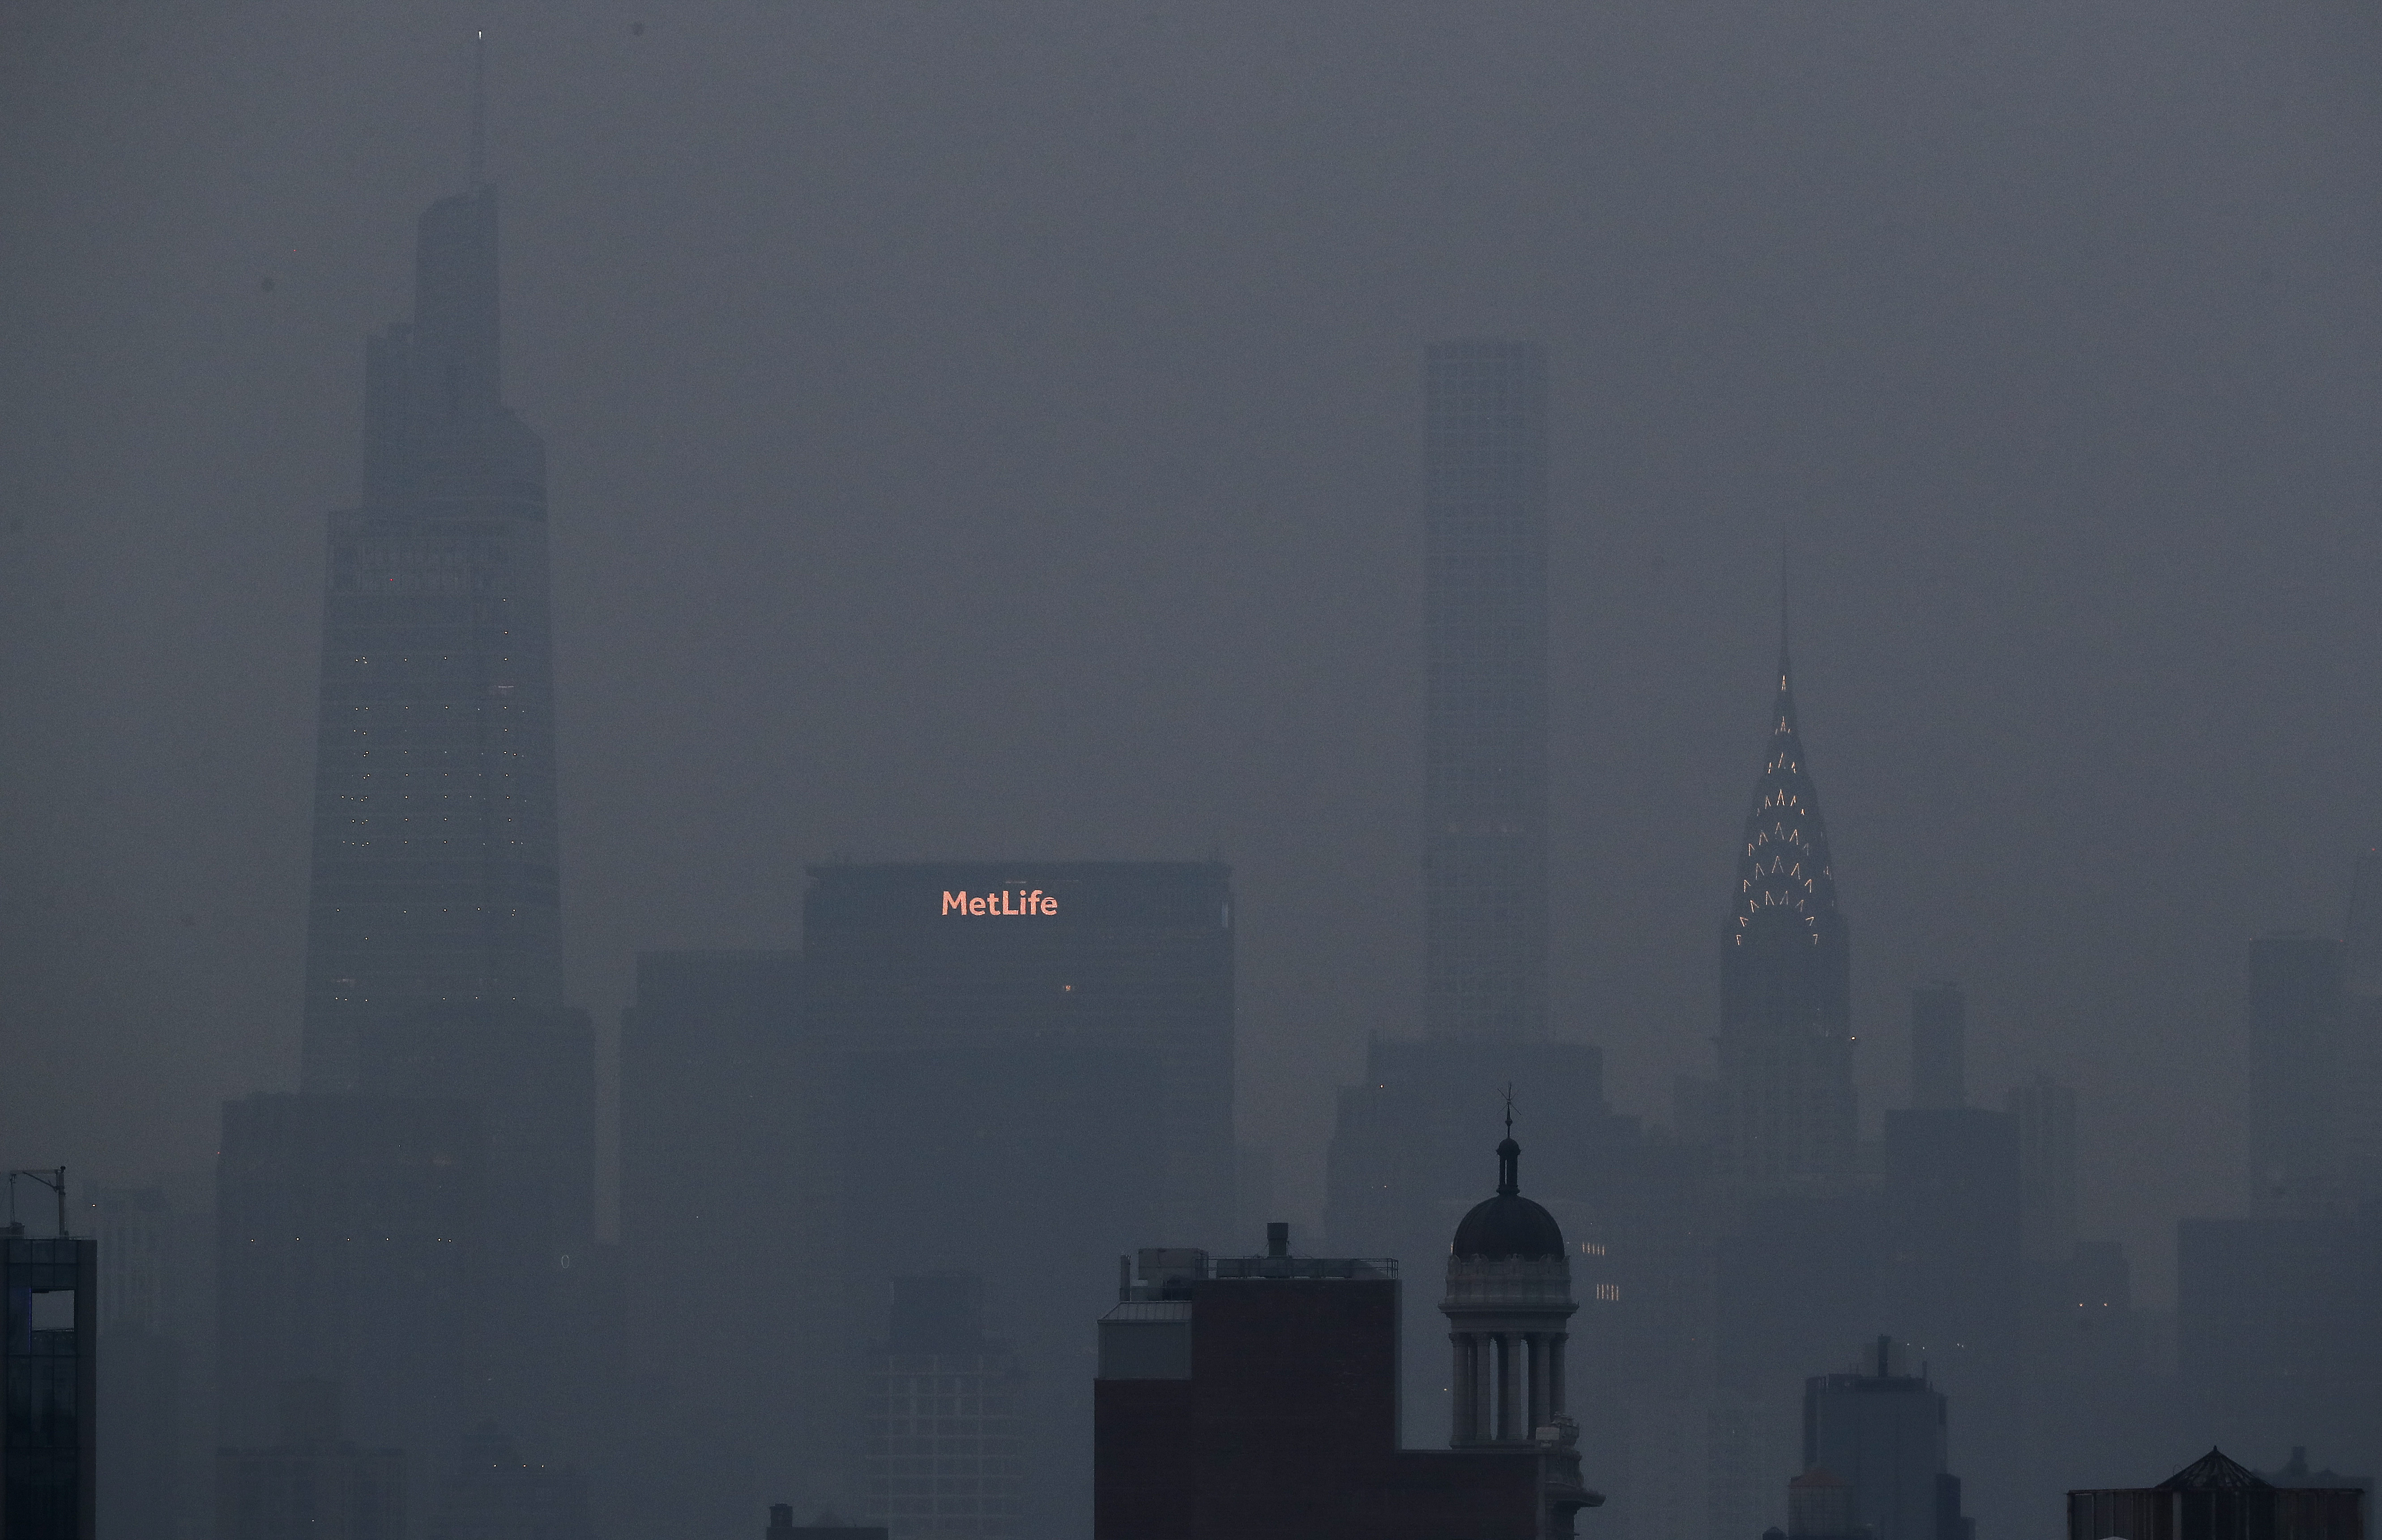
479 110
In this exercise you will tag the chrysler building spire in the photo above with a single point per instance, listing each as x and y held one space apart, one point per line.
1785 1038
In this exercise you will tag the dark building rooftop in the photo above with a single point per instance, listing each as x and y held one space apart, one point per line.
1257 1397
2217 1498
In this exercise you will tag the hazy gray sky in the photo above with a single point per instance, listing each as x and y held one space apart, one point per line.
993 429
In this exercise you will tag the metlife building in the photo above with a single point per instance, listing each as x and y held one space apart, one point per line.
1015 1070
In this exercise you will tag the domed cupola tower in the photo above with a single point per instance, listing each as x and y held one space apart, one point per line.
1508 1306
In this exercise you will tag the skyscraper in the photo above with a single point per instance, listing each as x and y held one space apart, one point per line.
1886 1437
1009 1068
350 1249
434 961
2046 1111
707 1232
436 870
312 1485
2359 1107
1396 1172
1485 700
942 1416
49 1382
2294 1022
1785 1034
1938 1024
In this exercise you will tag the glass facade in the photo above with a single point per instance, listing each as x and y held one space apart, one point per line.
48 1387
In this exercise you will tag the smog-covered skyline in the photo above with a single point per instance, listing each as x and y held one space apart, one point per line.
988 433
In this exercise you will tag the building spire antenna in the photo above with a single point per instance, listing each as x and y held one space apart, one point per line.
1783 543
479 110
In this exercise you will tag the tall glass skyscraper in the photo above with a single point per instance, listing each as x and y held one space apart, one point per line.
1485 711
435 855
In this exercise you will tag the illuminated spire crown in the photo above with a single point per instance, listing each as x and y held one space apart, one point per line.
1784 876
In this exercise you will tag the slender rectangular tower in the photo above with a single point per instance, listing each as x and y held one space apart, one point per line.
1485 711
435 858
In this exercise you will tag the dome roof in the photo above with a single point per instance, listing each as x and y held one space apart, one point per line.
1508 1224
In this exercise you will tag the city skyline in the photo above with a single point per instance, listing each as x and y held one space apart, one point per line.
1099 465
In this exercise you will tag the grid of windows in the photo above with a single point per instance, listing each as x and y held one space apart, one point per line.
943 1447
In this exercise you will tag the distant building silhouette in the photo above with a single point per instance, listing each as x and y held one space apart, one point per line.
350 1249
50 1407
2294 1030
711 1212
1005 1067
1256 1397
1401 1141
2216 1499
827 1526
311 1484
944 1455
2295 1473
142 1370
1952 1280
1819 1507
1799 1238
1939 1015
2046 1111
491 1493
1485 697
543 1284
1787 1102
2358 1076
435 864
434 960
2277 1336
1881 1441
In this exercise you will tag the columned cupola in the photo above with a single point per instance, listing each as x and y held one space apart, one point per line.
1508 1309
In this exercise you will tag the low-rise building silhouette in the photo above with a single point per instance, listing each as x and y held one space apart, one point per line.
1255 1397
312 1485
2216 1499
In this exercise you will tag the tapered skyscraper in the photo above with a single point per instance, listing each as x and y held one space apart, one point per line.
1485 702
435 858
1786 1030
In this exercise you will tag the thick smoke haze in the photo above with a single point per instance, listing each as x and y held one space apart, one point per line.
991 430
